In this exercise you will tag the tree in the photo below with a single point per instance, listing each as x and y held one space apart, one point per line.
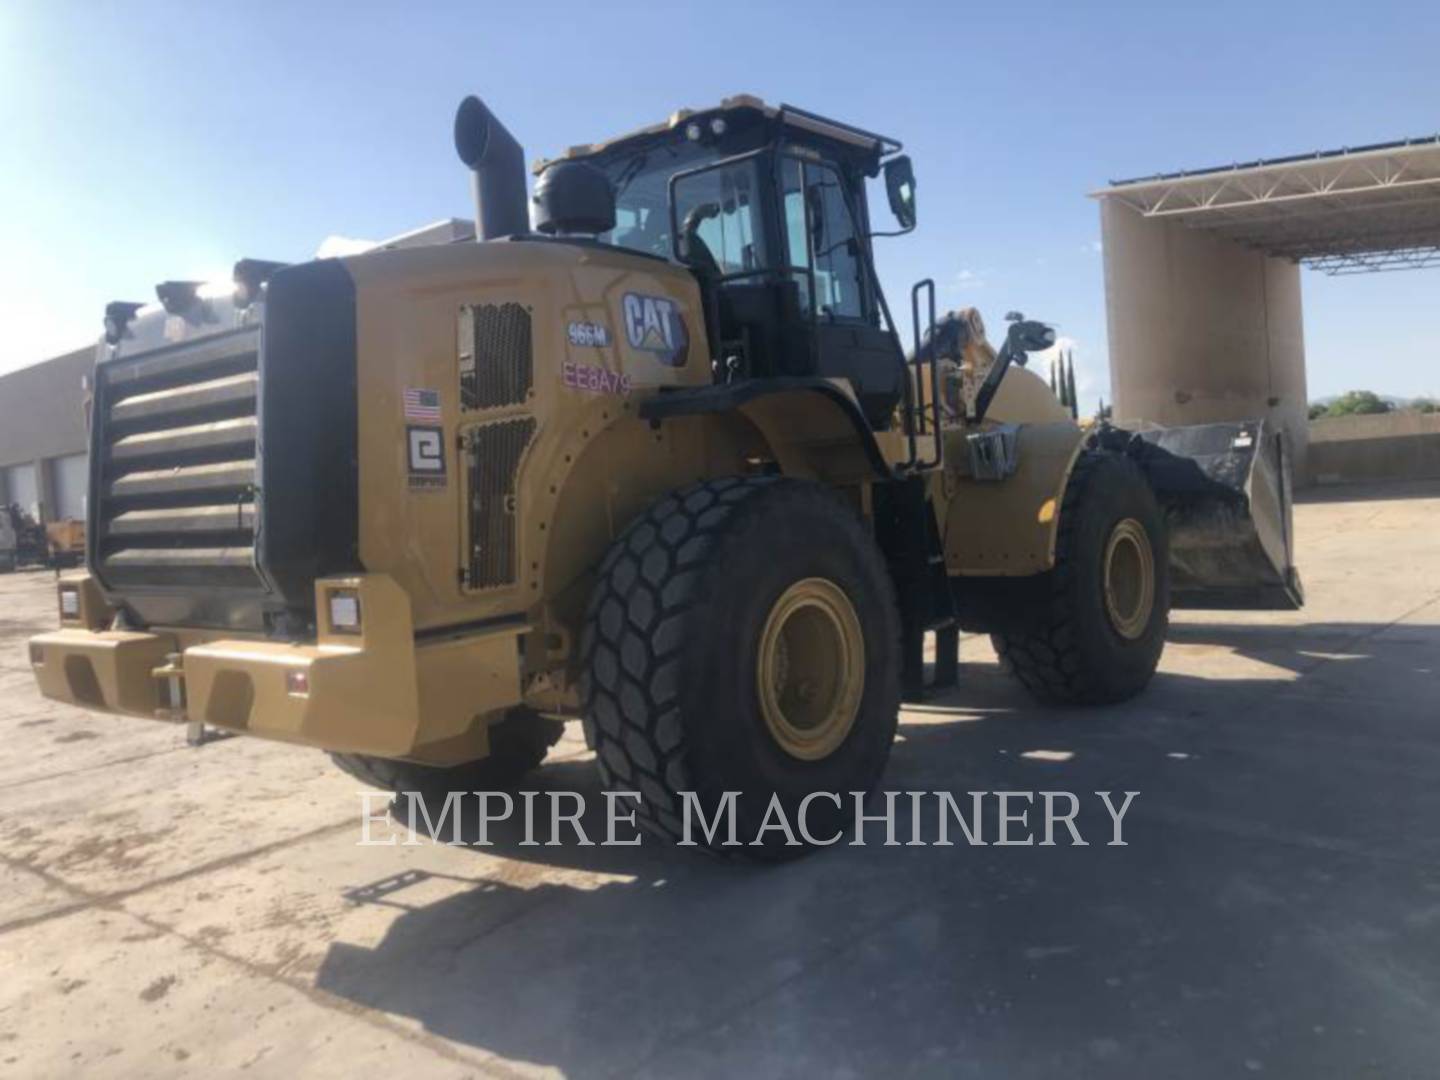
1318 409
1358 402
1425 405
1073 401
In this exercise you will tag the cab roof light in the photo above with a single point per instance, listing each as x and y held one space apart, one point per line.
178 297
250 276
118 314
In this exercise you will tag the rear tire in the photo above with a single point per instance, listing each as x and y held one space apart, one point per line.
1096 634
716 584
518 744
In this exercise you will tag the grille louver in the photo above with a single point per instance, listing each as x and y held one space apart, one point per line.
495 355
176 437
493 459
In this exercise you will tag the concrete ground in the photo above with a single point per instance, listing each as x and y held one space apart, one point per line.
168 911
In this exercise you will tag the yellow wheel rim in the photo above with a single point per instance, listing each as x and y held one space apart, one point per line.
1129 579
810 672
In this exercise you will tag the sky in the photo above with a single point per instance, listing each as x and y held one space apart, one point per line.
145 141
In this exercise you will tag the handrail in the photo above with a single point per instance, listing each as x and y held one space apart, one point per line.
927 284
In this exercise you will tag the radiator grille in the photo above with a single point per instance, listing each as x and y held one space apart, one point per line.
493 459
174 502
495 355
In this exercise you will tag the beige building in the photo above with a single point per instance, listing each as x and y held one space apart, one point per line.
43 463
1202 274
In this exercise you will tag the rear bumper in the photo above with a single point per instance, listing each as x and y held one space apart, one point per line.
109 671
375 692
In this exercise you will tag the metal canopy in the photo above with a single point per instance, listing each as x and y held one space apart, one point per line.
1340 211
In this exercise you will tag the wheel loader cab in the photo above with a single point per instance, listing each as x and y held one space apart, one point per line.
768 209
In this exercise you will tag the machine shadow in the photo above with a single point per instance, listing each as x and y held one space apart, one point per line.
1307 650
604 961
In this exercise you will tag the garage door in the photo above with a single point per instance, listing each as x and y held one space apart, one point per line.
71 474
20 488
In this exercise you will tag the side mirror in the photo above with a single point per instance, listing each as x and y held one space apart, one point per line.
1036 336
1027 336
900 190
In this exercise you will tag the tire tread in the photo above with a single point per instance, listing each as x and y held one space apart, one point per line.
1045 653
651 577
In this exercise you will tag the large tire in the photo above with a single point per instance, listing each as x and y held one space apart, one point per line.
518 744
696 598
1074 646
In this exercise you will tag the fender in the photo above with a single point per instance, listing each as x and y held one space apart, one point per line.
806 420
809 427
1007 528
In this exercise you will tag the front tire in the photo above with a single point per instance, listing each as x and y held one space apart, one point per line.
1095 635
743 637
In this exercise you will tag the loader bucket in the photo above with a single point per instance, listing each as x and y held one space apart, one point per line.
1226 492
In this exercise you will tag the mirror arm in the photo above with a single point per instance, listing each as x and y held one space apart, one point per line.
987 390
893 232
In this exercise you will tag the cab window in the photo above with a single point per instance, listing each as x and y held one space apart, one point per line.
821 236
642 197
722 205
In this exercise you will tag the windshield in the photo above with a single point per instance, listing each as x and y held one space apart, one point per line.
641 182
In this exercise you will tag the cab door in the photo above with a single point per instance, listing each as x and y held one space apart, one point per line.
823 242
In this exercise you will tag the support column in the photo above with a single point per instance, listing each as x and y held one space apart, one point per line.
45 491
1202 329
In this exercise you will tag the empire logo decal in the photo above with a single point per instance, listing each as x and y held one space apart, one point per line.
426 457
654 324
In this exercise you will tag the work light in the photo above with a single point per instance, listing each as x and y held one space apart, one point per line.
345 611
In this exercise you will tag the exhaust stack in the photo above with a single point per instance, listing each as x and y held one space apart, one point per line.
497 167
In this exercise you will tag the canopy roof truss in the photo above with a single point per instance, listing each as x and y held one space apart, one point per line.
1341 212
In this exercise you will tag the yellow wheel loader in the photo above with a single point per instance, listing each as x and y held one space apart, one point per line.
659 461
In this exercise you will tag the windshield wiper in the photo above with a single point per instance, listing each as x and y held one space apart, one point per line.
629 172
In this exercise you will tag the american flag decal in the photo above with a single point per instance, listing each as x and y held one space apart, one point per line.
422 405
